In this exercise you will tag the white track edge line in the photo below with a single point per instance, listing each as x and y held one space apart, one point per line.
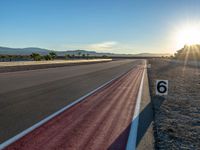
28 130
132 138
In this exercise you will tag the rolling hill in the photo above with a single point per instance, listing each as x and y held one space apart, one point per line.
42 51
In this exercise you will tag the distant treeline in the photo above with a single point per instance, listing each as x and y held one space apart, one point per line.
50 56
14 58
191 52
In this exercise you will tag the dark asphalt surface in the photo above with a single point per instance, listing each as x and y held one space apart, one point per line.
27 97
100 122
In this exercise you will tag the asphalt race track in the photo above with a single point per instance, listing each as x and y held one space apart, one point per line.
26 97
102 120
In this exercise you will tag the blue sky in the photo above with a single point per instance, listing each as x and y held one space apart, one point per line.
119 26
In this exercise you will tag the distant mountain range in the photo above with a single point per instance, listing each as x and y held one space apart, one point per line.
42 51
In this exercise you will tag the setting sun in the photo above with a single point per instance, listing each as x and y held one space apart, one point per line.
188 36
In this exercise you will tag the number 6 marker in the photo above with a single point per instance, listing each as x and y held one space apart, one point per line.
161 87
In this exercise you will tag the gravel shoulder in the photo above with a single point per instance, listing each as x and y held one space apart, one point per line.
176 116
145 135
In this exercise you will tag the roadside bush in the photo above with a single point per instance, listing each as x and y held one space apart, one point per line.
36 56
47 57
53 55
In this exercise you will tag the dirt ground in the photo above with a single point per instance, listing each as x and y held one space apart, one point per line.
177 115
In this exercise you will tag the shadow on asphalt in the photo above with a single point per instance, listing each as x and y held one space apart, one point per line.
121 141
146 116
145 119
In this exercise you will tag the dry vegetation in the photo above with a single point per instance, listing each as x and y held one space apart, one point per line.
23 63
177 116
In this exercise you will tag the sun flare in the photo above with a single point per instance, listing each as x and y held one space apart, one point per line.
188 36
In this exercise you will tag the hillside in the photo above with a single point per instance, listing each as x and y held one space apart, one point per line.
22 51
42 51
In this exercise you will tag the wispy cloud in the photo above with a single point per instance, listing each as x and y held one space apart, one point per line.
109 45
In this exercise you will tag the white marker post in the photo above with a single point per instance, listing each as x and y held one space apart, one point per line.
161 87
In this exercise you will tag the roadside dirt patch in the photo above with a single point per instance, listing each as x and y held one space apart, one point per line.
176 116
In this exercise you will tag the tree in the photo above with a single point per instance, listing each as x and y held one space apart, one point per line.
10 57
53 55
104 56
79 54
67 56
191 52
47 57
35 56
83 55
3 57
88 56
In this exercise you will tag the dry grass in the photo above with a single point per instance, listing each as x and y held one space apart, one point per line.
177 116
24 63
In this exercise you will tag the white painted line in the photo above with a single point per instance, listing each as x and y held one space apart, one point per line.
131 144
23 133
